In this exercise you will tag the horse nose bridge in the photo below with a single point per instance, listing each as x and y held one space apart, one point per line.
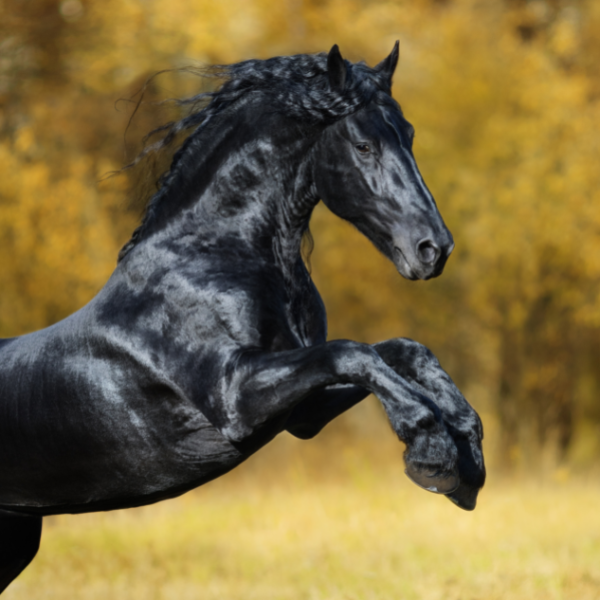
427 223
433 222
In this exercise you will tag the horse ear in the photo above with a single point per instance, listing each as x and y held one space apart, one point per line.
388 65
336 69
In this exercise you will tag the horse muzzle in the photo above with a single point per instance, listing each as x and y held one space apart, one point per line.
425 260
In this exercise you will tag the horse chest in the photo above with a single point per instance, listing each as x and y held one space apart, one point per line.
261 306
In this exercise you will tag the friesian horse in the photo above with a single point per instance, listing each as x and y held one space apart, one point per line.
209 338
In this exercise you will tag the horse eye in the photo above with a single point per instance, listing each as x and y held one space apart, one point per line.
363 148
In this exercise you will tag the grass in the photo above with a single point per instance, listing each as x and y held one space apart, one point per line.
355 529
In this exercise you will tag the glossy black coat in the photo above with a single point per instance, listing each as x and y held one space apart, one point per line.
209 339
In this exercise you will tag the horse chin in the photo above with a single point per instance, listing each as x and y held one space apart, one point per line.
407 275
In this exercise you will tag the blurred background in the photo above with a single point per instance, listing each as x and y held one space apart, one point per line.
505 99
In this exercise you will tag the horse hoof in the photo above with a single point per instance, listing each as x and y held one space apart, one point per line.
464 497
434 481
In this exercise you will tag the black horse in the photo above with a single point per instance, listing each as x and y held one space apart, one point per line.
209 339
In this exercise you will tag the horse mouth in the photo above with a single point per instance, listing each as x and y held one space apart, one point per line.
403 265
423 272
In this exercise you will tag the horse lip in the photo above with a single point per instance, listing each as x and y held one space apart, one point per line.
429 272
403 265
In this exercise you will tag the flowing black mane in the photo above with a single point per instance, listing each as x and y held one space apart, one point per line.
296 86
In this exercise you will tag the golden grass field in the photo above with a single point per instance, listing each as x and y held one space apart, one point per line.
351 527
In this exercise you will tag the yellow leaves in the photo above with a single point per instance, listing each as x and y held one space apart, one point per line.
24 141
565 37
58 247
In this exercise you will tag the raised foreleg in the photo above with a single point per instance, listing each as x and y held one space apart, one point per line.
261 389
419 367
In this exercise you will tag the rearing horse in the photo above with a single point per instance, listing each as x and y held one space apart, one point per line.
209 338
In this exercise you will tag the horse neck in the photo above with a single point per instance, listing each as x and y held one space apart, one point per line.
260 191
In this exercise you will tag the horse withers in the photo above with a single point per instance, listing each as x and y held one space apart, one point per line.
209 338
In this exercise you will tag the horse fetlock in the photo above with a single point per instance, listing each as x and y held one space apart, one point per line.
431 455
410 419
432 462
432 448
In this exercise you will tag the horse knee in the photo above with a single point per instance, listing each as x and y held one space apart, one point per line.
19 542
404 355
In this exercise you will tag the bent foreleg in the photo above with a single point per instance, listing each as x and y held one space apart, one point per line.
263 389
421 369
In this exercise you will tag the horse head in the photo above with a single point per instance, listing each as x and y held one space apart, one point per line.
365 173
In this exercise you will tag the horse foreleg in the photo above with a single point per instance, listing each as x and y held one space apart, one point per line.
263 388
312 414
418 365
19 543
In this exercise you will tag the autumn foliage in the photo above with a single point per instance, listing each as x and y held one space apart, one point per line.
505 99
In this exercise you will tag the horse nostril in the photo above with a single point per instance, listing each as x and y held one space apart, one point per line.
428 252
